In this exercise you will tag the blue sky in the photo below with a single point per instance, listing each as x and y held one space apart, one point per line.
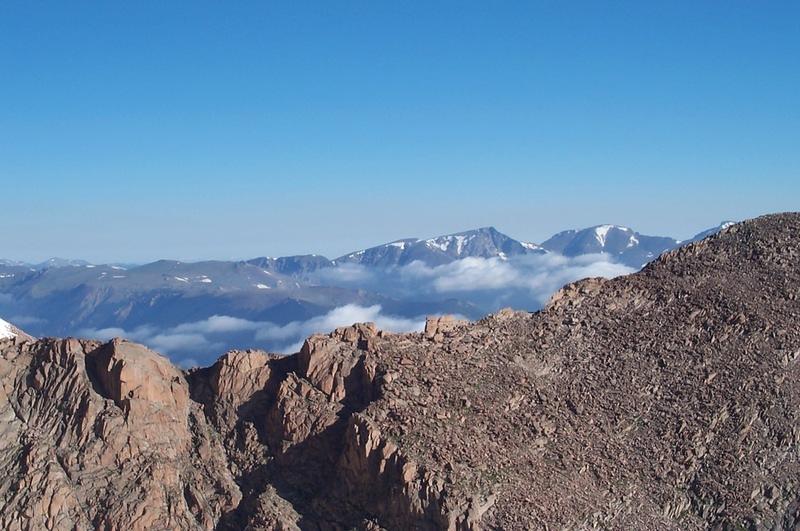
137 130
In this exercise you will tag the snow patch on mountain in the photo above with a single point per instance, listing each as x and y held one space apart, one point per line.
601 233
444 243
6 330
437 244
531 246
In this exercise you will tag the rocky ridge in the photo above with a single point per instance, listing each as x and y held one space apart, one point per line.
666 399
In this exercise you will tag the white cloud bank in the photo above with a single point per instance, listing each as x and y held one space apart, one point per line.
525 283
211 336
530 278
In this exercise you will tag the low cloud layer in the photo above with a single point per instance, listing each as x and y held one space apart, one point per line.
342 316
206 339
478 285
526 281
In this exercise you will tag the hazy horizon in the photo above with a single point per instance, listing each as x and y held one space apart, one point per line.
45 257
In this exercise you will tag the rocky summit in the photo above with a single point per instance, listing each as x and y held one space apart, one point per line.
666 399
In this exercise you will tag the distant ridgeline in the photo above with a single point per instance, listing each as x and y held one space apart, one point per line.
194 310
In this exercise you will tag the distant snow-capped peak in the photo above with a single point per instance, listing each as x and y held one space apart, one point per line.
484 242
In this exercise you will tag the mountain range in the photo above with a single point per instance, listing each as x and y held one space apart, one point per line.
168 303
663 399
485 242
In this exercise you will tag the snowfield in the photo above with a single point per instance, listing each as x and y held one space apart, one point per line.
5 330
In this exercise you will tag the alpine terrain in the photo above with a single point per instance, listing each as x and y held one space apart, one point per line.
167 304
664 399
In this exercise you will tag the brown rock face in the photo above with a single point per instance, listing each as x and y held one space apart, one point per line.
437 327
328 362
667 399
133 376
104 436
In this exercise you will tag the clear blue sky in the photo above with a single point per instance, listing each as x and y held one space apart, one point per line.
136 130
